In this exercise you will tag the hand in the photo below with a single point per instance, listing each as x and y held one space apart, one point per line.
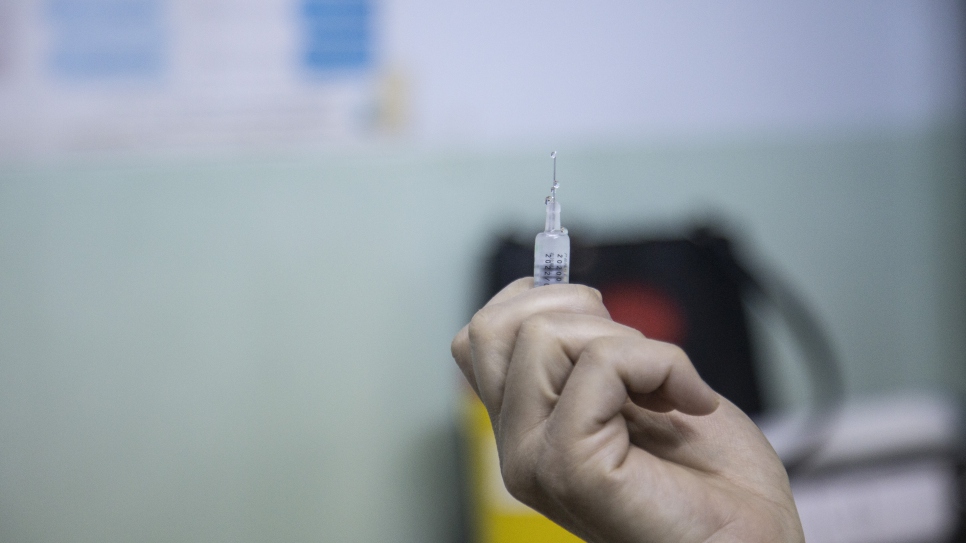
615 436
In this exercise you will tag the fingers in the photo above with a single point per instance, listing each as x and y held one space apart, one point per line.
460 348
542 361
614 363
561 429
484 351
612 369
493 332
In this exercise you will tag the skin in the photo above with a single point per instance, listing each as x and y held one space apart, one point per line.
615 436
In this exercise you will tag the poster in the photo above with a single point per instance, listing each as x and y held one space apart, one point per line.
142 75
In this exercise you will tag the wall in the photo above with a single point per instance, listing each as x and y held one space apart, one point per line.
258 348
251 343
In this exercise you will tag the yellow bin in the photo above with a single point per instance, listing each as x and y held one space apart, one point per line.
498 517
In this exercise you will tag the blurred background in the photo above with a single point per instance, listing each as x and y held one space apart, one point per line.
236 238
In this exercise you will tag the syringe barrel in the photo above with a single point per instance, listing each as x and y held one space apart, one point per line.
551 258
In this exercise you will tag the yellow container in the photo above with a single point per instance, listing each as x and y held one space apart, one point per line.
497 516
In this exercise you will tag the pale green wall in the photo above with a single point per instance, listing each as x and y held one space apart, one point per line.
257 348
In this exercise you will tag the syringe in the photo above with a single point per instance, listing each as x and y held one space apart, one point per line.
551 249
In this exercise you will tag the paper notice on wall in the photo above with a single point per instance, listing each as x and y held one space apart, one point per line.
99 39
159 74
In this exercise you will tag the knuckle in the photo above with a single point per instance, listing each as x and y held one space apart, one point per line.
458 347
540 324
675 355
480 324
597 294
598 351
589 298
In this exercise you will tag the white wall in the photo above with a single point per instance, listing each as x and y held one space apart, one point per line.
488 72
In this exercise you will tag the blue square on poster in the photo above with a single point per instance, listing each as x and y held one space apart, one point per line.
337 35
96 39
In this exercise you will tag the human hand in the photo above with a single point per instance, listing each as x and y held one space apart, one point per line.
615 436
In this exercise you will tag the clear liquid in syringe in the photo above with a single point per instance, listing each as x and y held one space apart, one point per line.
551 249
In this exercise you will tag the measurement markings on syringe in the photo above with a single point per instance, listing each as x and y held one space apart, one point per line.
554 266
